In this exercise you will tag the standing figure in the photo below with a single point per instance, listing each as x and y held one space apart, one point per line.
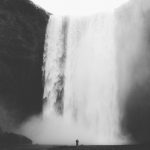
77 142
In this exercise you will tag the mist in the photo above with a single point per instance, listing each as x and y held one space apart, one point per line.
87 109
135 73
89 81
61 122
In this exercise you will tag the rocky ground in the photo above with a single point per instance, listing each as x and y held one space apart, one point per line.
82 147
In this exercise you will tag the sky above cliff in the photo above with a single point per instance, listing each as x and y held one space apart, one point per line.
78 7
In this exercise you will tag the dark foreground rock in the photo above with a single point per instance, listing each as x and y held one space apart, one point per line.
8 140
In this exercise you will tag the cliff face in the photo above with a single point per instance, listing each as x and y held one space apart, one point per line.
22 36
133 32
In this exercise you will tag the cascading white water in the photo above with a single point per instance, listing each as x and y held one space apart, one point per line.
81 78
91 67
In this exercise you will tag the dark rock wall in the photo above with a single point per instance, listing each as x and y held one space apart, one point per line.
22 36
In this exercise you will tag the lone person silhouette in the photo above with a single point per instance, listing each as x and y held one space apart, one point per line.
77 142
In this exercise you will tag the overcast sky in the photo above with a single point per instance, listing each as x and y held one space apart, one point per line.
78 7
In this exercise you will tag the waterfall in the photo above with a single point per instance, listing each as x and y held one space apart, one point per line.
96 79
81 86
